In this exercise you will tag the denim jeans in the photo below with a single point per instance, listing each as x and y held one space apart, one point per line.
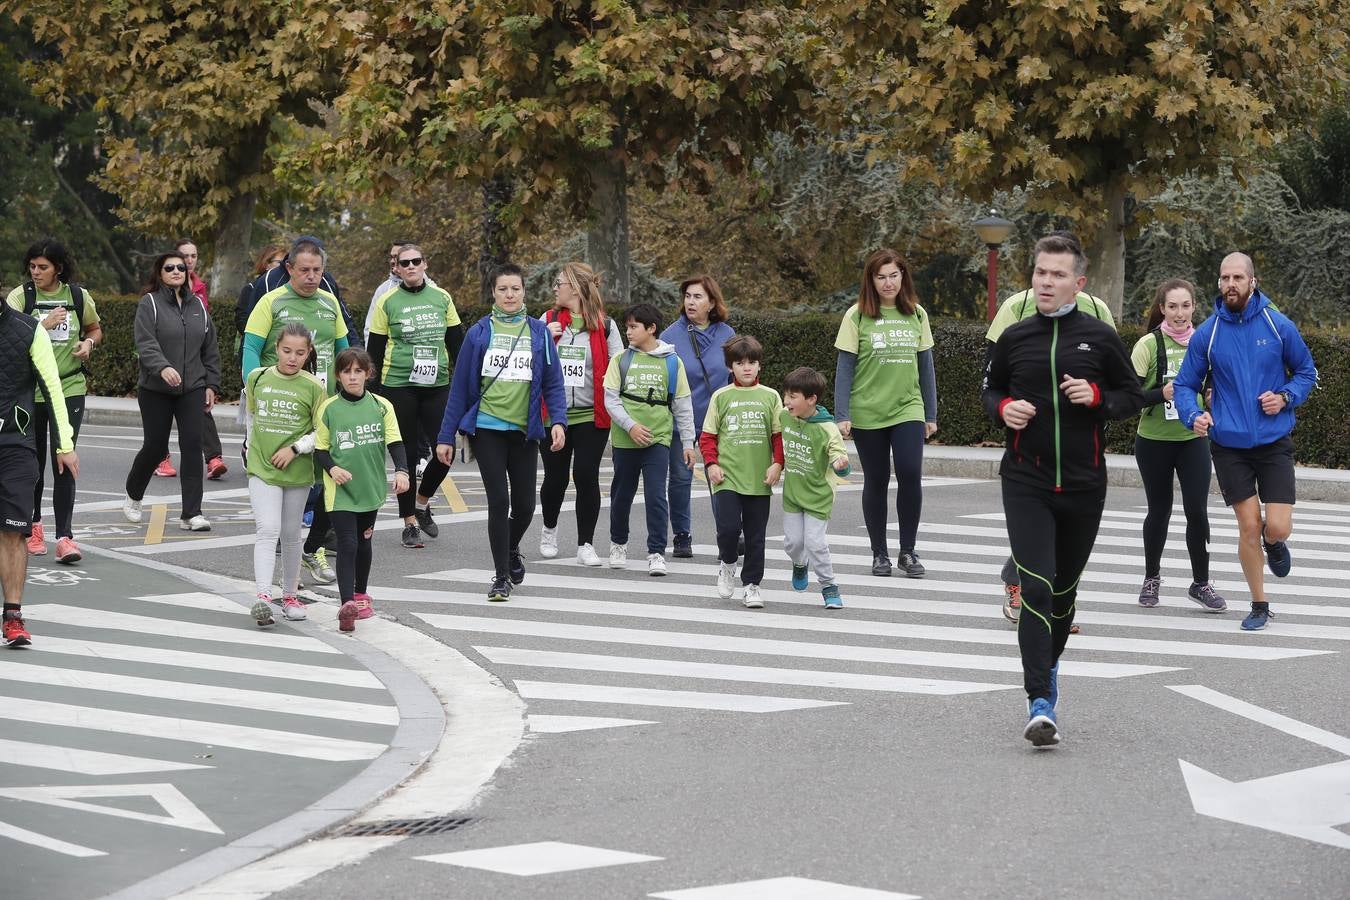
681 486
650 464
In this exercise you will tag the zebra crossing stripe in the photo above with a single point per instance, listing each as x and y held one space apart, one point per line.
1176 530
188 659
221 734
795 622
103 619
32 838
540 724
635 696
590 662
194 600
83 762
286 702
770 647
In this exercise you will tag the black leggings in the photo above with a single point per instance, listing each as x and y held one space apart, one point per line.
584 450
1051 535
159 412
63 483
509 465
877 447
354 530
1157 460
419 410
320 525
742 514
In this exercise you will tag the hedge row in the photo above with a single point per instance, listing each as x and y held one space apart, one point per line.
808 340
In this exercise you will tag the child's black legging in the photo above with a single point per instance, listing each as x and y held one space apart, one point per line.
877 448
1157 460
354 530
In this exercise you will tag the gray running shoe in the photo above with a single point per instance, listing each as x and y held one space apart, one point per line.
1148 594
316 564
1206 596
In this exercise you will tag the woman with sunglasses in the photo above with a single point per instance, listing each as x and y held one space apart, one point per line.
415 336
179 378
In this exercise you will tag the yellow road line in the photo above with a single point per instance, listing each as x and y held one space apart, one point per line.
453 496
154 532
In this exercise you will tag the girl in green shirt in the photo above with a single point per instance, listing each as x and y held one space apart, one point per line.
1164 445
354 429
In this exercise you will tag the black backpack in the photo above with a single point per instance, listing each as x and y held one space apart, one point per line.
30 300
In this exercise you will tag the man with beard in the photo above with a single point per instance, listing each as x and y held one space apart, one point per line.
1255 362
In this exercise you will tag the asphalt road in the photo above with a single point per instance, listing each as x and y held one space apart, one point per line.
876 748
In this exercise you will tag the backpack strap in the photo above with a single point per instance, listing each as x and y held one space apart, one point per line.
672 373
29 298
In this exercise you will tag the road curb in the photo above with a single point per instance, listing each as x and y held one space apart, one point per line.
427 723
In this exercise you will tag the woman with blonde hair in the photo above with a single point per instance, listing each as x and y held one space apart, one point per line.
586 340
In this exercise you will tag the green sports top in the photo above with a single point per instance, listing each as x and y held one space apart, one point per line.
415 322
355 433
886 380
809 449
744 419
319 313
63 338
282 410
1160 422
645 373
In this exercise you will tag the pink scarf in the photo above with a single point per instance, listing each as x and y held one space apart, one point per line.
1182 337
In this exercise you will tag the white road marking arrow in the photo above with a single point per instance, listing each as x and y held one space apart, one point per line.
181 812
1306 803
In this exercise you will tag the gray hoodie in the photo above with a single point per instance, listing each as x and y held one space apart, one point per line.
683 407
170 333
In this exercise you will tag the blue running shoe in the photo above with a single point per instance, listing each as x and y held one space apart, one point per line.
1054 687
1277 558
1041 729
832 599
799 580
1257 618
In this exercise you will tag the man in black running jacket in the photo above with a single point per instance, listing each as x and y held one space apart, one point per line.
1054 380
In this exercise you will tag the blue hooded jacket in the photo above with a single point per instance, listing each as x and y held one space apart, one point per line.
546 383
1245 354
681 335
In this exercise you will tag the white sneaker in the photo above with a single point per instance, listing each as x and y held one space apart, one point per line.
726 580
752 600
656 564
548 543
196 523
587 556
131 510
618 556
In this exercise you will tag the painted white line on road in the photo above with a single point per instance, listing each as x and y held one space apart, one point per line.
635 696
768 647
1292 727
102 619
783 889
284 702
541 858
83 762
1314 523
1178 531
1002 637
32 838
194 600
179 811
725 672
167 499
540 724
262 740
187 659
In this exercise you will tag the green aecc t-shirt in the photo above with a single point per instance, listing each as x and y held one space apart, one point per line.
355 433
745 419
282 410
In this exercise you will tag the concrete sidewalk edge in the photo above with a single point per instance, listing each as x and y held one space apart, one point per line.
426 722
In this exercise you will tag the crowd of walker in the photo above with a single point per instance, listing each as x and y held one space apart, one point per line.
321 413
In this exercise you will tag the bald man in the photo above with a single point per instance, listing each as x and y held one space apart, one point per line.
1254 360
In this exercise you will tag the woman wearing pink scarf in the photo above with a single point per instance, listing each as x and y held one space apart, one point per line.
1164 446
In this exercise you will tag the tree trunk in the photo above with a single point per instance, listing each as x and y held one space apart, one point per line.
232 254
495 239
1106 255
607 227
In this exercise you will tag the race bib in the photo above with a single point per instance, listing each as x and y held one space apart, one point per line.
502 363
425 367
1170 410
323 361
573 361
61 333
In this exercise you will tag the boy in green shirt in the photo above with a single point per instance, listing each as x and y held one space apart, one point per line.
815 462
647 395
742 448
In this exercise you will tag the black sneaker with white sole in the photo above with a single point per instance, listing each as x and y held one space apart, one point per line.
426 523
517 567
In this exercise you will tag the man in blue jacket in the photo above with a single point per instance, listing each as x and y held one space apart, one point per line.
1254 360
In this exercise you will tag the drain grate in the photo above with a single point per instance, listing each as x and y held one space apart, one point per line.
409 827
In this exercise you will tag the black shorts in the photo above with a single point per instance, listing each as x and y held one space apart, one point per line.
1267 470
18 478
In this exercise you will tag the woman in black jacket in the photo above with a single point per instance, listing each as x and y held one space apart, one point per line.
180 377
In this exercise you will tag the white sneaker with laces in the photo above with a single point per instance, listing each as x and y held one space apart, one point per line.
726 580
131 510
196 523
587 556
293 609
752 599
656 564
618 556
548 543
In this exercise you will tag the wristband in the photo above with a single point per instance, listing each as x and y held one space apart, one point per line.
1288 398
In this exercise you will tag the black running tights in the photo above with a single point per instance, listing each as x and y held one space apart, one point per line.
1157 460
508 464
584 451
354 530
877 448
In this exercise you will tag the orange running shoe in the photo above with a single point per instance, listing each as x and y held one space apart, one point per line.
68 552
165 468
37 542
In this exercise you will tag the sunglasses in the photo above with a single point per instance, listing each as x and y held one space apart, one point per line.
410 261
175 267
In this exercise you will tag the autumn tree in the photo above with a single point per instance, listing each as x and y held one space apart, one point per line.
1081 101
577 98
189 91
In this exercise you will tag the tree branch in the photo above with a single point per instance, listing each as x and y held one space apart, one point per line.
100 233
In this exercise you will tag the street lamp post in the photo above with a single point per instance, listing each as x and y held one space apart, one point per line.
993 230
